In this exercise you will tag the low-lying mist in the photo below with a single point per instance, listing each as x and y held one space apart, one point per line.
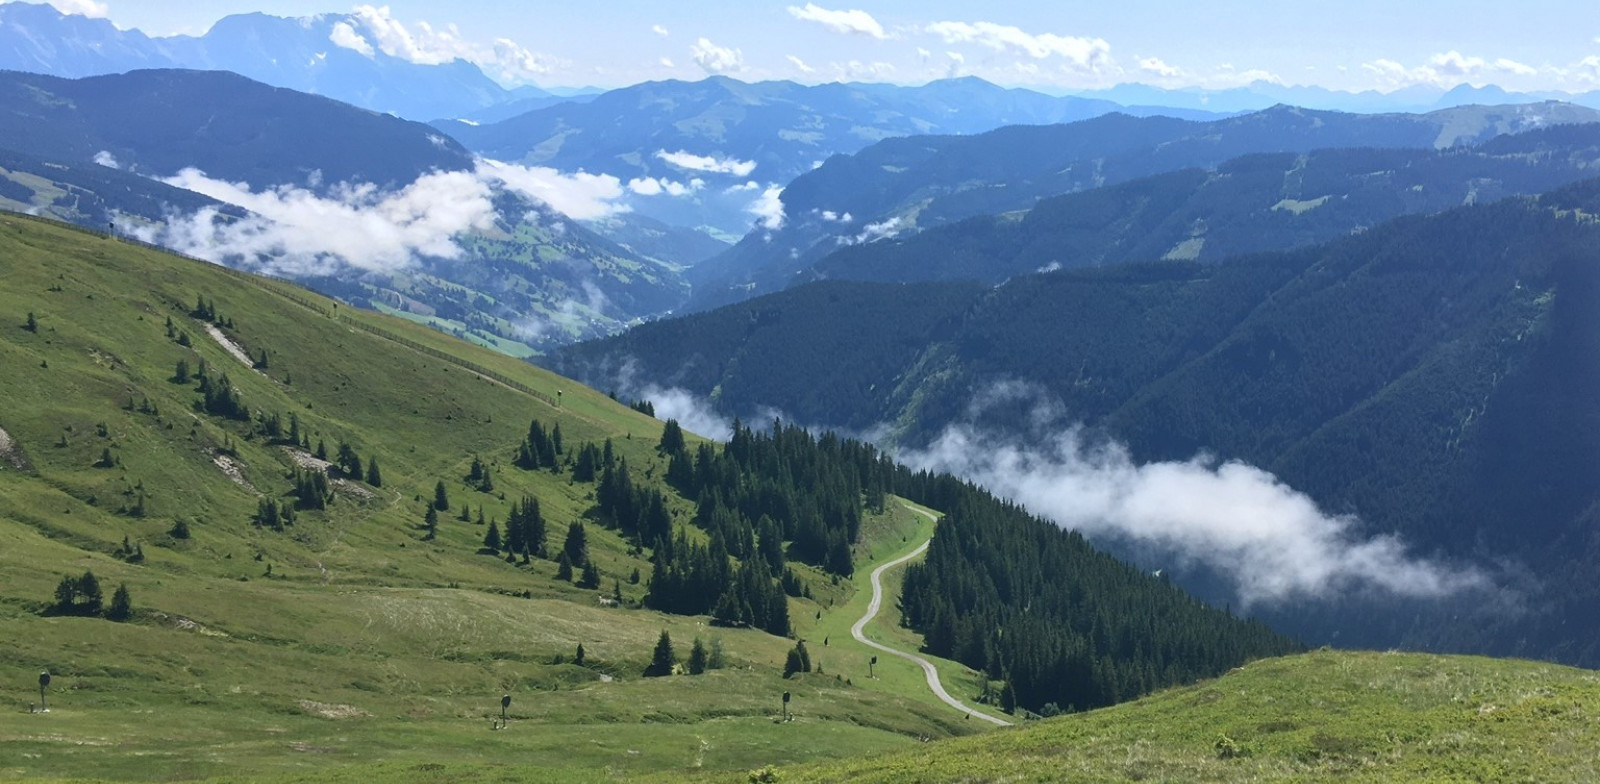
1271 543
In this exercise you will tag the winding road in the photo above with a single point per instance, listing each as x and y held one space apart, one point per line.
858 631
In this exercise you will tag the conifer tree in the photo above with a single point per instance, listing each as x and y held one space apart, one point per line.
697 658
671 438
89 589
441 501
564 568
491 540
431 522
576 548
663 659
591 576
374 476
32 324
121 604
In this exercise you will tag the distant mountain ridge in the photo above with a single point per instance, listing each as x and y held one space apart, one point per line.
764 132
1256 203
299 54
158 122
904 185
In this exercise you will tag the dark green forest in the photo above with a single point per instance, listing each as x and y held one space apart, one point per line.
1436 376
1060 623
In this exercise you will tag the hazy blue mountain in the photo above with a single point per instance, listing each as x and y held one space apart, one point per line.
1260 95
1435 376
295 53
905 185
768 132
161 121
1262 202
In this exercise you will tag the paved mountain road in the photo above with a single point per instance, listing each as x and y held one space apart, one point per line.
932 673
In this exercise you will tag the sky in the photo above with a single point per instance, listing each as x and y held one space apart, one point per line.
1353 45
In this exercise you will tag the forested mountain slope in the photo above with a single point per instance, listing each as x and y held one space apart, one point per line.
1251 204
903 185
1436 376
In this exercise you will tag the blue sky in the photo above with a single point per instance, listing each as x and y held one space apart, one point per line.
1350 45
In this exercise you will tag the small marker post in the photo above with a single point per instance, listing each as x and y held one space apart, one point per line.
872 664
786 706
44 680
505 702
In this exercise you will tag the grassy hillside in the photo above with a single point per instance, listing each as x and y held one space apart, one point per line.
1323 716
348 637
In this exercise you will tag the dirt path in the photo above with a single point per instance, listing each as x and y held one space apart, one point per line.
932 673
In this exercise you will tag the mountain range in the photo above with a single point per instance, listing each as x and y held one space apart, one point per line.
298 54
899 186
1432 377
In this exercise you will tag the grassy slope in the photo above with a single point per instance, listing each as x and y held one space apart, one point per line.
222 671
1378 717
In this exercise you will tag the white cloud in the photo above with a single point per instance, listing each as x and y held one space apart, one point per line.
706 163
1156 67
423 44
1447 69
873 232
345 36
800 64
298 231
89 8
715 59
580 196
655 186
1084 54
106 159
850 22
666 62
659 30
1270 540
768 208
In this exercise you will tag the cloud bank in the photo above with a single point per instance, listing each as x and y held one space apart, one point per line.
297 231
1269 539
1272 542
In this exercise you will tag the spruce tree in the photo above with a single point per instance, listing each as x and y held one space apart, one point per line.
33 323
576 548
89 589
577 658
374 476
564 568
491 540
671 438
591 576
121 604
663 660
441 501
431 522
697 658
